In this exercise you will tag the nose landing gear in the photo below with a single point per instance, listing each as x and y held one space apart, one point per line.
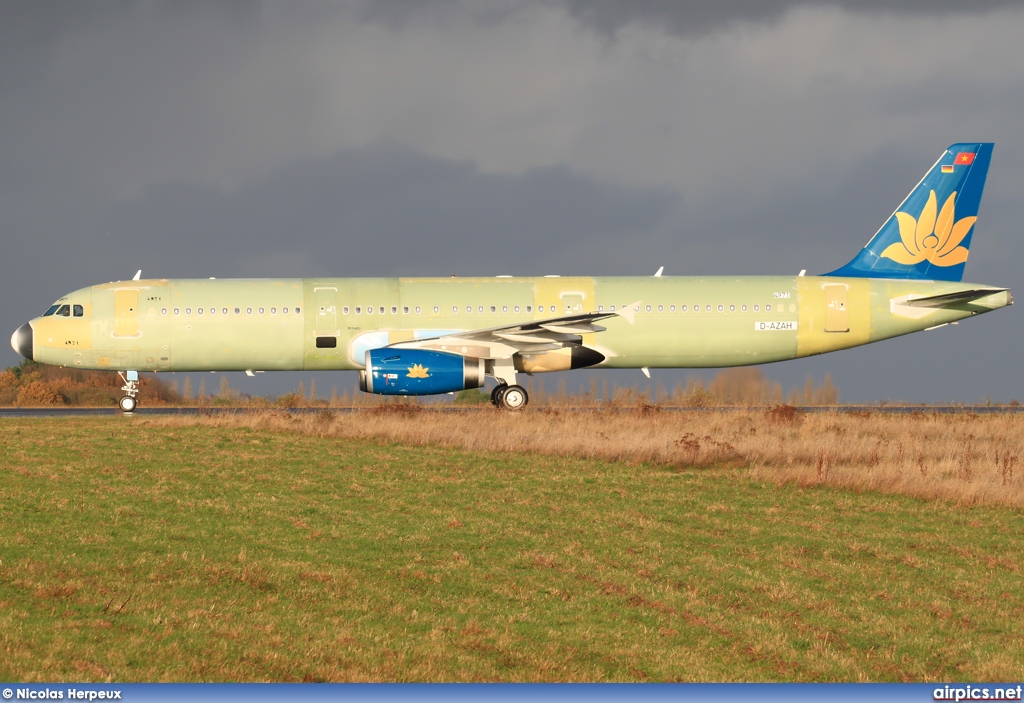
128 401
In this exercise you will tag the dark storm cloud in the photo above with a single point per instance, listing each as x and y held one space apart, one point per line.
690 17
379 211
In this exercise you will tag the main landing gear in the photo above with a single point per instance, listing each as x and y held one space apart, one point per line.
128 401
507 394
509 397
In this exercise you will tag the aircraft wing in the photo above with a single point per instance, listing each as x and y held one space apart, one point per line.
533 337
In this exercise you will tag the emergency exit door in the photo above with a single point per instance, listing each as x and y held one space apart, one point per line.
837 318
572 303
326 302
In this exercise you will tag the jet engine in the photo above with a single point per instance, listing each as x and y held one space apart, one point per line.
391 371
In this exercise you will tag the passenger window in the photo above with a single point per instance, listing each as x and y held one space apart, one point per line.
224 311
481 309
455 308
437 309
213 311
744 308
721 308
369 309
661 308
188 311
358 310
248 311
417 309
405 309
516 308
600 308
163 312
262 310
200 311
176 311
394 310
238 311
297 311
612 308
273 311
768 307
504 308
529 308
79 311
732 308
757 308
469 308
64 311
494 309
707 308
648 308
344 310
284 311
682 308
381 309
671 308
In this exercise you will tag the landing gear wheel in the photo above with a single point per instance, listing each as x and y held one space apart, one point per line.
496 394
128 402
514 398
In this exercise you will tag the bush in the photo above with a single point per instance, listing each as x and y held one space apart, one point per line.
8 380
472 397
39 393
91 396
784 415
290 400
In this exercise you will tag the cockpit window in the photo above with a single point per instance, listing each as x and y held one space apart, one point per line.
64 311
79 311
53 309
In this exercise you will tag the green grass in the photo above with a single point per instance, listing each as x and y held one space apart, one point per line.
131 552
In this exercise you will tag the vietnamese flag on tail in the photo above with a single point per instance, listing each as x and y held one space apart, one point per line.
964 158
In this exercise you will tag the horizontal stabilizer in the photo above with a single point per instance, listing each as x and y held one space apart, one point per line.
948 299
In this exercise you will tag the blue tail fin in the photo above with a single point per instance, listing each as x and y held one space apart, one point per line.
929 235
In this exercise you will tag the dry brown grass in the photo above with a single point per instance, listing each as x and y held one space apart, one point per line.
962 457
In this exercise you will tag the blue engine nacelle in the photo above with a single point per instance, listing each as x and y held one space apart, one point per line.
419 372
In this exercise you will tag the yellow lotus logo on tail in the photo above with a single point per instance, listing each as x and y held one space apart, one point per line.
417 371
930 238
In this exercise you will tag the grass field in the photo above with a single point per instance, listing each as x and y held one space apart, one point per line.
278 548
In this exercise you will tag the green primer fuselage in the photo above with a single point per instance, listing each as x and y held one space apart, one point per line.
687 322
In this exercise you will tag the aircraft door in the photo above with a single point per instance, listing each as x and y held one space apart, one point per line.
126 312
572 304
837 318
325 301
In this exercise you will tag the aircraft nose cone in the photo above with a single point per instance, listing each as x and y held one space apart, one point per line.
21 340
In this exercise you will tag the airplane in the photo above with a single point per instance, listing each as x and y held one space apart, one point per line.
423 336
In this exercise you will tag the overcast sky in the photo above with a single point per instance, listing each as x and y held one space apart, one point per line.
430 138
